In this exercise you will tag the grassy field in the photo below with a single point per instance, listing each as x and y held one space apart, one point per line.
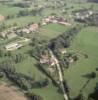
52 30
49 93
28 67
8 10
22 21
84 43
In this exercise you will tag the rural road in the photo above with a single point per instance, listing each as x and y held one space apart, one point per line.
60 75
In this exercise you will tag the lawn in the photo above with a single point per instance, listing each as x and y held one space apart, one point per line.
84 43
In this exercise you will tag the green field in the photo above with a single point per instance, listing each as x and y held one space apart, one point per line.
49 93
8 10
84 43
28 67
52 30
23 21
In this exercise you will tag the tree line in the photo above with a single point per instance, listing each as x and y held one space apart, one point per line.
64 40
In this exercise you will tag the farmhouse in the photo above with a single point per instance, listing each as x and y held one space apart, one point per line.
13 46
11 35
46 60
30 28
33 27
8 35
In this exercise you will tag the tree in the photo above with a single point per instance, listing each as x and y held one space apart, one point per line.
94 95
1 74
9 54
90 76
34 96
93 75
80 97
2 53
18 58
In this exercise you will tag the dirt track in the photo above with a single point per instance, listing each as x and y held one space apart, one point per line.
8 93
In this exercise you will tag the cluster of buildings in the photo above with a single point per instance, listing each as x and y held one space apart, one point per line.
54 19
12 32
45 59
30 28
83 14
9 34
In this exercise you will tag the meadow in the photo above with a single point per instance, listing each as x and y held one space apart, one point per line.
86 42
52 30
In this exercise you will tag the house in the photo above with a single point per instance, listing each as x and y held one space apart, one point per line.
71 60
8 34
63 51
52 62
33 27
3 34
30 28
25 30
11 35
2 18
44 59
12 46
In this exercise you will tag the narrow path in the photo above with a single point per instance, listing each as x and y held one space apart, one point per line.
60 75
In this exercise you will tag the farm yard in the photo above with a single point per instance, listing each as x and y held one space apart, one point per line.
29 43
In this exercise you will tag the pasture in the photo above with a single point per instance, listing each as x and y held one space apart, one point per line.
84 43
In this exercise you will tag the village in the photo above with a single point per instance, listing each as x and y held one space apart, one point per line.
15 32
48 49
